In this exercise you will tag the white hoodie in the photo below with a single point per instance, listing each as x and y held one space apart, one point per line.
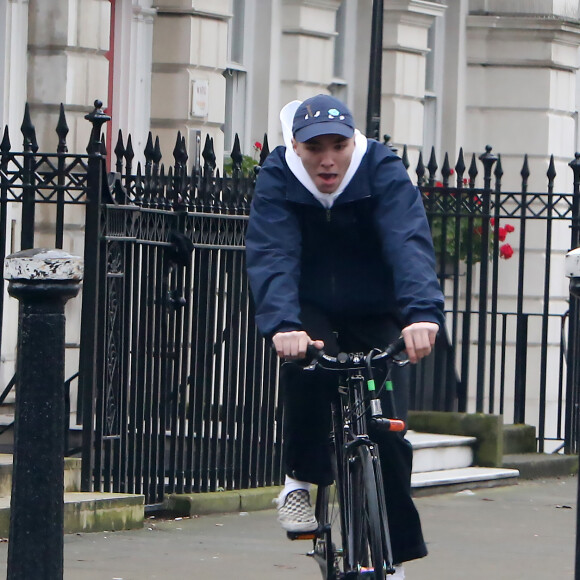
295 163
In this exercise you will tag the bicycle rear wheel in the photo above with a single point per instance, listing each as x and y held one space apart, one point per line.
367 526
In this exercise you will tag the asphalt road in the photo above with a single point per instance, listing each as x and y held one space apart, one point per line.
518 532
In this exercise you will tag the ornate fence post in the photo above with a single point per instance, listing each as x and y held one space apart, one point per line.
487 159
573 272
96 181
28 181
42 281
572 378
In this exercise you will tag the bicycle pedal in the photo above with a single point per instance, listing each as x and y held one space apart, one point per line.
302 535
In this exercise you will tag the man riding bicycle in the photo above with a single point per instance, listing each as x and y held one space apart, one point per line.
339 255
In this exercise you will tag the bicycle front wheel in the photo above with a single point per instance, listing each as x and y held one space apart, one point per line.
367 526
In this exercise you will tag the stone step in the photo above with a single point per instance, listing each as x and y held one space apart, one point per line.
459 479
72 474
434 452
91 512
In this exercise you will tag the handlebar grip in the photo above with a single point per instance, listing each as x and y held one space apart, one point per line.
383 424
313 353
396 347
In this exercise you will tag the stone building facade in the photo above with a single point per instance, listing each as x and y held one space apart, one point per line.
455 73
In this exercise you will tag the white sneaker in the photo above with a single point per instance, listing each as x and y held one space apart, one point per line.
295 514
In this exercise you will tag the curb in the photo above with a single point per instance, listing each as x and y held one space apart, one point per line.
538 465
244 500
530 466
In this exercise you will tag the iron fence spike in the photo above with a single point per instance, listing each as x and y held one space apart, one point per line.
265 150
472 172
5 146
446 169
236 155
28 130
149 151
177 154
119 147
184 150
498 171
157 152
62 130
525 172
208 154
460 167
420 171
432 165
405 158
129 153
551 173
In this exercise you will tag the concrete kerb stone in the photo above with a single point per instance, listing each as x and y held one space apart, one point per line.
537 466
197 504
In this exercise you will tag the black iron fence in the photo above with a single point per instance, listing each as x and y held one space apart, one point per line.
499 258
177 391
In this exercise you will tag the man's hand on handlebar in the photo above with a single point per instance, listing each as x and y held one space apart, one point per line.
419 339
293 344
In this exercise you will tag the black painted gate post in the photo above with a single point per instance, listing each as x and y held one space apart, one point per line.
42 280
572 265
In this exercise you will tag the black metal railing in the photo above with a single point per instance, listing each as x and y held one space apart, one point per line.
177 390
494 253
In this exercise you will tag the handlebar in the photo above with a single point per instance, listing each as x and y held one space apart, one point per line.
352 361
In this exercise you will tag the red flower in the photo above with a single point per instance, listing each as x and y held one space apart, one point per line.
478 230
451 171
506 251
501 234
258 146
492 221
438 184
509 228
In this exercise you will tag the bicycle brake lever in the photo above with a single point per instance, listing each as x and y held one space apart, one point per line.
400 362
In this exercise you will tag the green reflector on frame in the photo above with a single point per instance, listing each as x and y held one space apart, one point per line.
371 385
389 385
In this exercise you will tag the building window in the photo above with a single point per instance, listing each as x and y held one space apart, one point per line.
433 86
338 87
235 76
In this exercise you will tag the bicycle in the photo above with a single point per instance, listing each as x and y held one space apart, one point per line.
356 502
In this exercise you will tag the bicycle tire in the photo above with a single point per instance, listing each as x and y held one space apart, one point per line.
324 549
366 527
329 513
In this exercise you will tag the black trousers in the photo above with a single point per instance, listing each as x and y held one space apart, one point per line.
307 421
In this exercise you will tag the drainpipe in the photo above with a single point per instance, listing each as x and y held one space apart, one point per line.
375 76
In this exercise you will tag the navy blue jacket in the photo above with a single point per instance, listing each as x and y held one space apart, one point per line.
370 253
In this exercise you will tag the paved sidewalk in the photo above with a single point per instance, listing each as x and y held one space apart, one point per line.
525 531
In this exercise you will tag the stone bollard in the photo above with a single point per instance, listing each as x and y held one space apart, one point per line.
42 281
